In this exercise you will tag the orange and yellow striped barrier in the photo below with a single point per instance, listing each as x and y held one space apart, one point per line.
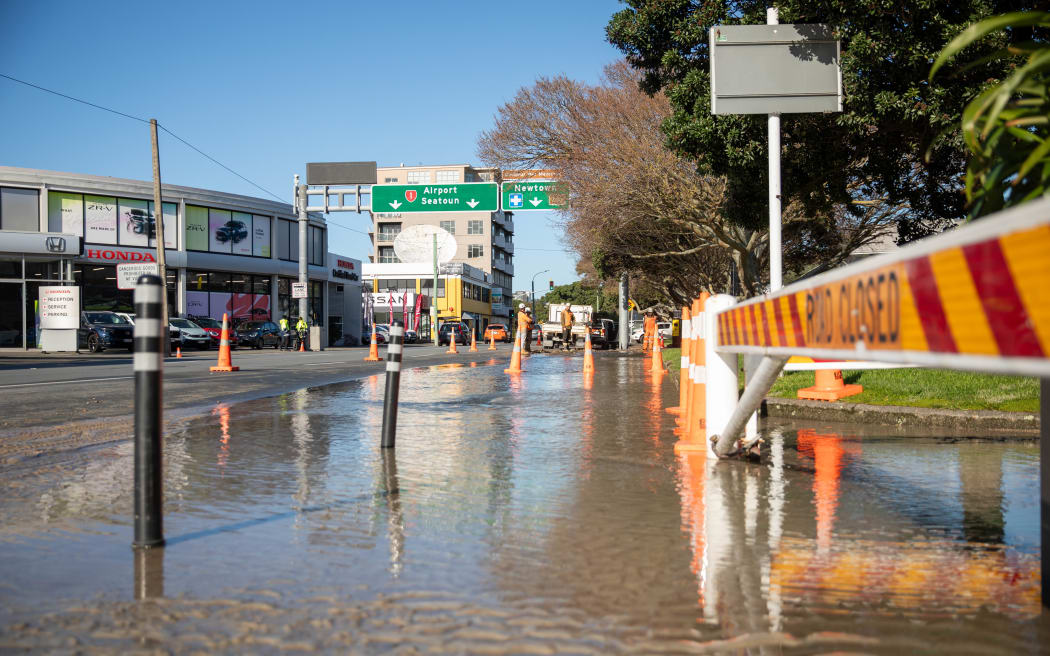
974 298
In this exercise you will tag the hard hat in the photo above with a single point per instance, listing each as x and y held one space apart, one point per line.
521 305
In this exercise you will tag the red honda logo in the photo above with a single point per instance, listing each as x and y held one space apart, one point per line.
410 195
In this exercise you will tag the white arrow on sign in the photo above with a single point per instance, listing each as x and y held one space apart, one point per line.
535 201
473 203
395 204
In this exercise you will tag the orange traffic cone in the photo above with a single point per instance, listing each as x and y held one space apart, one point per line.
452 341
694 432
473 342
373 348
224 349
515 356
829 387
302 346
588 354
658 358
178 351
492 340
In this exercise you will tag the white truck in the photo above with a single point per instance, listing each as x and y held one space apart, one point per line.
550 330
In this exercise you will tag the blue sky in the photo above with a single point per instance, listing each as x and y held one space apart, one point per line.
265 87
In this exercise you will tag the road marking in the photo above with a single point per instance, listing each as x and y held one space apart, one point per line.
64 382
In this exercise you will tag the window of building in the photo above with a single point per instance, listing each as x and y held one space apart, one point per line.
470 177
418 177
475 250
315 247
475 227
447 177
427 286
20 209
286 232
388 231
485 293
386 254
397 285
448 226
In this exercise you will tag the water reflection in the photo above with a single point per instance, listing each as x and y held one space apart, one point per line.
149 573
555 501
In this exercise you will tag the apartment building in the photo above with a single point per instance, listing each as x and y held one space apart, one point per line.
484 240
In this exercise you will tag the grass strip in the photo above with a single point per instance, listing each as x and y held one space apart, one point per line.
916 387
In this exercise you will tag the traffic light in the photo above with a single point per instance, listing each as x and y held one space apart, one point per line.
552 285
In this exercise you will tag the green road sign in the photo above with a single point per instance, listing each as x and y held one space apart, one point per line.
533 195
455 197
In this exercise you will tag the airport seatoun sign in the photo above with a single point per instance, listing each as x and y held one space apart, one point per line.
774 69
525 195
451 197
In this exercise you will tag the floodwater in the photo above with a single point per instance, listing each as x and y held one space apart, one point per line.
539 513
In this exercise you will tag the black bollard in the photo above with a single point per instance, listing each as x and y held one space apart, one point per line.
149 360
393 383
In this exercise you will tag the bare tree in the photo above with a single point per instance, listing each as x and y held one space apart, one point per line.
634 205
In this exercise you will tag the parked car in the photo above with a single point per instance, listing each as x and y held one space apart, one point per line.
411 337
459 329
184 333
258 334
663 328
102 330
214 329
382 335
497 330
603 333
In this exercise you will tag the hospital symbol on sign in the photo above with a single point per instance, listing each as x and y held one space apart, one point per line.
517 200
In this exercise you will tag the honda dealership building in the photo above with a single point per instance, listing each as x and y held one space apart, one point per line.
224 253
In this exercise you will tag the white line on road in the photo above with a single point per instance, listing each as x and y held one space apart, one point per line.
65 382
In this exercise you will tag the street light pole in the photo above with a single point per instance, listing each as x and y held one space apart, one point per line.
534 289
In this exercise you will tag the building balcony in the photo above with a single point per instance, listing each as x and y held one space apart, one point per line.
503 266
386 237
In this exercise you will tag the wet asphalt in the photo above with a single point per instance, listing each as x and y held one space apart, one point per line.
541 513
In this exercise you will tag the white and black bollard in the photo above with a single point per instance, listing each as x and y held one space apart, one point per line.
149 359
393 383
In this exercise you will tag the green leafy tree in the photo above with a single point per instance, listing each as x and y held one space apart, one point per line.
872 153
1007 126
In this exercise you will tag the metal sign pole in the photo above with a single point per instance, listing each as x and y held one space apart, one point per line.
775 255
303 220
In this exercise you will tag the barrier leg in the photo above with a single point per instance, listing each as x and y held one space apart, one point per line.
765 375
720 370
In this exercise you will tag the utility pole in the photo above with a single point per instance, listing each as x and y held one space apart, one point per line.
624 332
303 221
433 299
158 221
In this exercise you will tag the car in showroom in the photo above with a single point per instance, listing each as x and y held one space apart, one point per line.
258 334
184 334
457 328
102 330
498 331
213 327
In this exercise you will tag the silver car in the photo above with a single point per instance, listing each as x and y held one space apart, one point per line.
185 333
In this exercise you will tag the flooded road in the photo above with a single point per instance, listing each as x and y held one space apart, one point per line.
543 513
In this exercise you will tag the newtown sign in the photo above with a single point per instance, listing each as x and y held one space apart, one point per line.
533 195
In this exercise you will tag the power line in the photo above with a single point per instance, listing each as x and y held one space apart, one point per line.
91 104
143 120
